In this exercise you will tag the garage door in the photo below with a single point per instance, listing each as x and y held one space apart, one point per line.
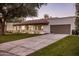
60 29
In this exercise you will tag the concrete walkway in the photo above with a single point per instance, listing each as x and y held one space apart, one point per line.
29 45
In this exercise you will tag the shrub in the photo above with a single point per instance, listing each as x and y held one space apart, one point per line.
75 32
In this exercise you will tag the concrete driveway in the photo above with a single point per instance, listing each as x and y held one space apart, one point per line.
29 45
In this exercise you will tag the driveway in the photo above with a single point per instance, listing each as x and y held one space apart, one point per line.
29 45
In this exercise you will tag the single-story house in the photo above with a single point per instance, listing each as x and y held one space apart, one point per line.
63 25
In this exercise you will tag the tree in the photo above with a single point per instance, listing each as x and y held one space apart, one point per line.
16 19
46 16
77 16
8 11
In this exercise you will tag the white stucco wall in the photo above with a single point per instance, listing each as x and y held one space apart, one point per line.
61 21
9 26
46 28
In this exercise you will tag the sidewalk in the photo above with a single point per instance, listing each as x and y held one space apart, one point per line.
26 46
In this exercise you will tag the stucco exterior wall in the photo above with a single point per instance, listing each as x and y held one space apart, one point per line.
46 28
9 27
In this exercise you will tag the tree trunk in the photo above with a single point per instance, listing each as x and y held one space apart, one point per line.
3 28
2 23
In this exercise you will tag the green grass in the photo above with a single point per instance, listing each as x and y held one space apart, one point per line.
13 37
68 46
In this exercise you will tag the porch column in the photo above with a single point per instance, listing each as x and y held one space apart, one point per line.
20 28
16 28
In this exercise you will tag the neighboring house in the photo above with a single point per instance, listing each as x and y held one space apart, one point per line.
63 25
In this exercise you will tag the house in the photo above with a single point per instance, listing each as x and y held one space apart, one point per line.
63 25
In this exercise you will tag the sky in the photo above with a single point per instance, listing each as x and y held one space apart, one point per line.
57 10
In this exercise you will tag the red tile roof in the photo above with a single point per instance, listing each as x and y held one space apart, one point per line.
33 22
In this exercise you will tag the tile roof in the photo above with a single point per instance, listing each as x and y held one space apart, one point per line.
34 22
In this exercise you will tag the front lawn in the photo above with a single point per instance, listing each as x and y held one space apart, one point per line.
12 37
68 46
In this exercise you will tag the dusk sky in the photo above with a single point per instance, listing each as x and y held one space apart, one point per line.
57 10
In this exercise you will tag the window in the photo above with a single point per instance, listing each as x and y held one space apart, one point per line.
39 27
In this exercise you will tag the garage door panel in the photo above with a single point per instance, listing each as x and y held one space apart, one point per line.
60 29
